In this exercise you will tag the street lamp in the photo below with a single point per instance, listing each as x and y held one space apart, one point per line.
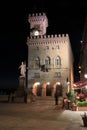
83 43
68 85
85 75
79 71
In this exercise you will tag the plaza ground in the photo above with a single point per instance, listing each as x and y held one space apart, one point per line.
39 115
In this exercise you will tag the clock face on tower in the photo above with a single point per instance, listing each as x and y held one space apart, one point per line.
36 33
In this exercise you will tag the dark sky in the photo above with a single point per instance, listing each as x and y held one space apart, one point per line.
63 16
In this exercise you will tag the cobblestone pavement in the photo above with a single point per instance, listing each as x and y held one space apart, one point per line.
38 115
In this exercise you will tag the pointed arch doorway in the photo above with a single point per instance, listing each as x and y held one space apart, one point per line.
37 89
58 87
48 89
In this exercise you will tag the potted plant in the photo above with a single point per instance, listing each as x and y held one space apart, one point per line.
72 98
84 118
82 106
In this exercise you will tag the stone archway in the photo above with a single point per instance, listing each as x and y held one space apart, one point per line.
57 87
47 89
36 89
39 90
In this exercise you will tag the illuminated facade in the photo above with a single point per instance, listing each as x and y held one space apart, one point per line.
50 59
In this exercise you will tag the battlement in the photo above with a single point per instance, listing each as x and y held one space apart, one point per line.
48 38
38 17
37 14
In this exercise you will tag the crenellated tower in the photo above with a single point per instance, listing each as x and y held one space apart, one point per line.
50 59
38 24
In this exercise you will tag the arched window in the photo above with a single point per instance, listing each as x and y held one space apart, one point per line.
47 60
37 62
58 61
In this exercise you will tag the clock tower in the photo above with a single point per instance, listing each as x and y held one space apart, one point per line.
38 24
50 59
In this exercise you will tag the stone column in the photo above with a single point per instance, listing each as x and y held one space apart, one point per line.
43 92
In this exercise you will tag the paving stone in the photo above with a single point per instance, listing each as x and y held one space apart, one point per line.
39 115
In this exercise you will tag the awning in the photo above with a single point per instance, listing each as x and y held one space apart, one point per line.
80 84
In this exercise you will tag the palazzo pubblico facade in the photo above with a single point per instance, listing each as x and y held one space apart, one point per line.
50 59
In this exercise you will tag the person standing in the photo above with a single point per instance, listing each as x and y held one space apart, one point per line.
56 97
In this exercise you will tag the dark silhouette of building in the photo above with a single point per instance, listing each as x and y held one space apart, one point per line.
83 53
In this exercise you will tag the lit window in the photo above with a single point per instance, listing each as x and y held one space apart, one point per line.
47 60
37 61
57 61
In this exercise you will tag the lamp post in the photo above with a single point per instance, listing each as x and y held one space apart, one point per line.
68 85
85 75
79 71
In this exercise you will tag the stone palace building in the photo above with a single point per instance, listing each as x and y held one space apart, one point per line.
50 59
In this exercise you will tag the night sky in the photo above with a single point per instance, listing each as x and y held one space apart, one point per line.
63 17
